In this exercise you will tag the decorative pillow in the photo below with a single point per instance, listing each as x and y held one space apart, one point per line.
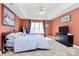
11 36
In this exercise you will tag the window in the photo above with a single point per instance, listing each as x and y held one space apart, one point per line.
37 27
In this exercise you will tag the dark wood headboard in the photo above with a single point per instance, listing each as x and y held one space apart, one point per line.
4 38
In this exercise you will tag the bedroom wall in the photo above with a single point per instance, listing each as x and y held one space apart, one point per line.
24 22
47 29
8 28
73 25
36 20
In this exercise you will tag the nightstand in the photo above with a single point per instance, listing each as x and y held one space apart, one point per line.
0 42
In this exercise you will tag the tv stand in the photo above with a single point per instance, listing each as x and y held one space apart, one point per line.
67 42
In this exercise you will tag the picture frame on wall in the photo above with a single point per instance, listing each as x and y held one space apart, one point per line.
66 18
8 17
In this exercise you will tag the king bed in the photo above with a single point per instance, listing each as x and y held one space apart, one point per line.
20 41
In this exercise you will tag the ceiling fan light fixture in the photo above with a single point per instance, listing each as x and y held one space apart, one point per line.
42 11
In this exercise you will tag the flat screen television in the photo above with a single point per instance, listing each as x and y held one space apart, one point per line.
63 29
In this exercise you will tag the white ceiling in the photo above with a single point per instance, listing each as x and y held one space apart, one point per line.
30 10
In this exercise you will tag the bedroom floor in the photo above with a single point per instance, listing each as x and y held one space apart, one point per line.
57 50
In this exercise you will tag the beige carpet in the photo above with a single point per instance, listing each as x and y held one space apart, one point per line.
57 49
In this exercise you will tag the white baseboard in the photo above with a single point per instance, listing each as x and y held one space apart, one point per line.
75 46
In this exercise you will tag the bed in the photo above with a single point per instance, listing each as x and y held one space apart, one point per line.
24 42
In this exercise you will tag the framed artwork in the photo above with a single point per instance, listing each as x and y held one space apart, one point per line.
66 18
8 17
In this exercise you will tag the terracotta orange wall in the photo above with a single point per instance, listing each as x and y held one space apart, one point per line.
73 24
25 23
8 28
36 20
48 28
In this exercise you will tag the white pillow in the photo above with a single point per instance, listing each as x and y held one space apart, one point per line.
11 36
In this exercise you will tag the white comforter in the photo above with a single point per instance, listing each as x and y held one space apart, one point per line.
25 42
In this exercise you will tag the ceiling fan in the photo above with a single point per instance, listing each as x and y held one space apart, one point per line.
42 11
